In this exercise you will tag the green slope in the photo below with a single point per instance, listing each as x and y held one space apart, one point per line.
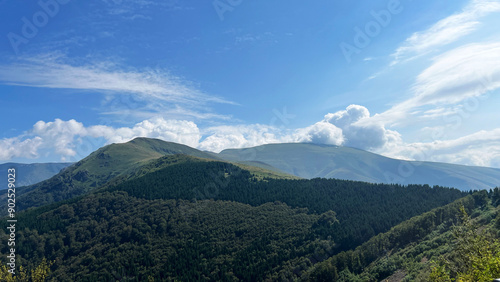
106 164
312 160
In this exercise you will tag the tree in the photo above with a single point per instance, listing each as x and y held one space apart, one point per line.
324 272
495 198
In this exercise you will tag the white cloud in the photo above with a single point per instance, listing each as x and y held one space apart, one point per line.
59 135
463 73
352 127
446 31
350 115
359 130
16 148
321 132
179 131
160 88
50 72
480 149
241 136
62 138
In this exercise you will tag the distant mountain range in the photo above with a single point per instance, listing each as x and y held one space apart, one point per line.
301 160
27 174
311 161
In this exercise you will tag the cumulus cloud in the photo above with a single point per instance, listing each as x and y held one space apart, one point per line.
446 31
62 137
16 148
352 127
241 136
359 130
350 115
179 131
321 132
59 135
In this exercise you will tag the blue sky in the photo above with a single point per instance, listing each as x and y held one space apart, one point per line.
406 79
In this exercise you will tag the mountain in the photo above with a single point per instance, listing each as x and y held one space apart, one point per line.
312 160
184 218
27 174
110 164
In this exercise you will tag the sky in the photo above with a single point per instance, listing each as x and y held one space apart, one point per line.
415 80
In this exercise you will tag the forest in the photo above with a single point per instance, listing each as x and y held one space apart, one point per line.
196 220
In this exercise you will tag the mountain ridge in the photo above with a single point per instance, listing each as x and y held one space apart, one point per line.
312 160
28 174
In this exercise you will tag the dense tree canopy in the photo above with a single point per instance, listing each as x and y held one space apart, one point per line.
214 221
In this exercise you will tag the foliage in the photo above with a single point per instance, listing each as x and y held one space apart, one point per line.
495 197
363 209
475 255
111 236
38 274
187 219
374 260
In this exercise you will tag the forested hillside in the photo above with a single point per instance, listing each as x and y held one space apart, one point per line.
363 209
184 218
111 236
439 245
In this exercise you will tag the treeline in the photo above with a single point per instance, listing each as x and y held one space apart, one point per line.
363 209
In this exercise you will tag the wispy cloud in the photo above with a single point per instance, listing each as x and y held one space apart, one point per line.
481 149
129 8
468 71
157 87
445 31
127 114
